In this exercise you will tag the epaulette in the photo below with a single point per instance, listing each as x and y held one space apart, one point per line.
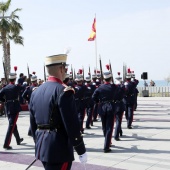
68 88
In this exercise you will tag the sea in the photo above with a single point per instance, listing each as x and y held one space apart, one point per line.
158 83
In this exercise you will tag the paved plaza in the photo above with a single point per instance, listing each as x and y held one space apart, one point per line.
145 147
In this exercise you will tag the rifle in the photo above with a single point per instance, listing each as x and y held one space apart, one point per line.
29 80
124 72
83 73
111 70
44 74
101 68
89 72
72 72
6 79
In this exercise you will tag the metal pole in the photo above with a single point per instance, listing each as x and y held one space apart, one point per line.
101 68
96 45
31 164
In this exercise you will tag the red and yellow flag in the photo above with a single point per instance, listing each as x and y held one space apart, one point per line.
93 31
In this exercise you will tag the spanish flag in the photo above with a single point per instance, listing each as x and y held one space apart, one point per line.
93 31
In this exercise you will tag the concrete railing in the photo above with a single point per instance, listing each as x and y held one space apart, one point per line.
154 91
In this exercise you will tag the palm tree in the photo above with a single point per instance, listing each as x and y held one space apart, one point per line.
9 30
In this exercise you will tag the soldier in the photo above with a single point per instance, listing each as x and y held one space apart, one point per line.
79 99
2 109
95 111
71 82
67 79
104 95
129 100
27 93
119 107
89 103
9 94
54 122
20 81
136 90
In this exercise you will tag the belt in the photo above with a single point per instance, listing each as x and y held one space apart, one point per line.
129 95
79 99
11 100
108 101
117 101
48 127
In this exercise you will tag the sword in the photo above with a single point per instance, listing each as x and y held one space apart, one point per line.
31 164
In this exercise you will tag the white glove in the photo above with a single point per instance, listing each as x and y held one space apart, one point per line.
117 82
83 158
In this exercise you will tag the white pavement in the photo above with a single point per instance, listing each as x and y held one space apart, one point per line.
145 147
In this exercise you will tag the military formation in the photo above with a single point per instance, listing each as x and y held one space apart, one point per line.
58 108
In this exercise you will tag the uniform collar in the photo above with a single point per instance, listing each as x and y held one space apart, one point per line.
11 83
34 84
107 83
54 79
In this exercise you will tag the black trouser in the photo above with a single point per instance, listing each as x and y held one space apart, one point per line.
118 127
12 128
136 101
89 112
95 112
57 166
81 115
129 114
29 132
107 126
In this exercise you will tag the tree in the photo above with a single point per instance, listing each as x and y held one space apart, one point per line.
10 30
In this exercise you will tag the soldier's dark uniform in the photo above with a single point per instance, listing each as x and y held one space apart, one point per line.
136 91
20 82
9 94
89 103
28 91
95 111
54 122
119 107
27 94
104 95
2 108
66 80
129 100
80 90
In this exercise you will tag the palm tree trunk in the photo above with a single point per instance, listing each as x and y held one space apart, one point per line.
5 54
8 58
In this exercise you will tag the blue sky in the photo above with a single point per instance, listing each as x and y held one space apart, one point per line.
134 32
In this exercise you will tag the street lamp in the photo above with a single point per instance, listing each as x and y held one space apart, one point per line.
6 17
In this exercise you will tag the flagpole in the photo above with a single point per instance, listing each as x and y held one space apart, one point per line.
96 51
96 44
93 37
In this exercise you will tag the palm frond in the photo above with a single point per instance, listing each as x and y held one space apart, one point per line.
4 25
4 6
18 39
13 14
15 27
